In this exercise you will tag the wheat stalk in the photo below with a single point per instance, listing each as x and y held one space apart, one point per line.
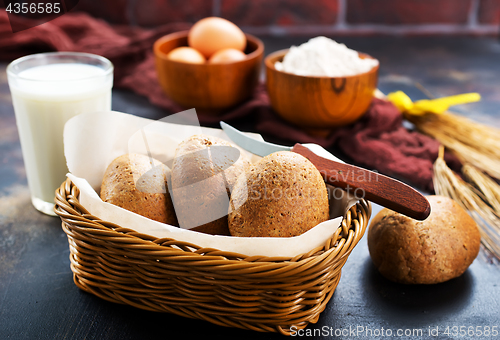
472 199
488 187
471 142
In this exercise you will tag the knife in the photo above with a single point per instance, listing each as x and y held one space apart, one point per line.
380 189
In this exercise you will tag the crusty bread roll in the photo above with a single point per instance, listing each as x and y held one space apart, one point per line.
282 195
435 250
204 170
138 183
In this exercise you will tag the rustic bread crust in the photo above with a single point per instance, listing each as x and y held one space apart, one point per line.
435 250
195 163
282 195
124 185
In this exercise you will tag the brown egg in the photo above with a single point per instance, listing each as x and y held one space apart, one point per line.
186 55
212 34
227 55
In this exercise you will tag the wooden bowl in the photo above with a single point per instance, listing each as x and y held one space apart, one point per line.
318 104
209 87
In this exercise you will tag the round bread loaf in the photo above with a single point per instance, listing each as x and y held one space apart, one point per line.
435 250
282 195
138 183
204 171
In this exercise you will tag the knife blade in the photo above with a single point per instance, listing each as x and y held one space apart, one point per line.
375 187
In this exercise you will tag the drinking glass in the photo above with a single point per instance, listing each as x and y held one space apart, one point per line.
48 89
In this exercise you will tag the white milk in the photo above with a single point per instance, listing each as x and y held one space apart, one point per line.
44 98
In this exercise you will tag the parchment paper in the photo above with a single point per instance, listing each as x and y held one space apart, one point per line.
93 140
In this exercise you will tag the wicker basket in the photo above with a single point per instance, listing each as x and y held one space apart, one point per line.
267 294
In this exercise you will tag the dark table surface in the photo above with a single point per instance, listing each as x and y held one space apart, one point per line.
38 299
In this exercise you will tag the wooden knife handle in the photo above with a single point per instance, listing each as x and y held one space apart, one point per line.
370 185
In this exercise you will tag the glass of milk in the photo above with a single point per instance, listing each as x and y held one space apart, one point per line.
48 89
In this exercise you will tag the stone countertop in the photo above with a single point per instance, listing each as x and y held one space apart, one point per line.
38 299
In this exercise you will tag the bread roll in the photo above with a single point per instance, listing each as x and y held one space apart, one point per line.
138 183
435 250
282 195
204 170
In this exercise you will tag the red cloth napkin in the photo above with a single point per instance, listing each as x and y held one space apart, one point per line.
378 141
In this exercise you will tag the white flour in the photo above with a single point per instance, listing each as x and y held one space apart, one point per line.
322 56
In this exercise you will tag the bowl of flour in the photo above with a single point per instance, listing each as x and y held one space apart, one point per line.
321 84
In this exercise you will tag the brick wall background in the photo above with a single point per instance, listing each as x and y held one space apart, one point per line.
281 17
